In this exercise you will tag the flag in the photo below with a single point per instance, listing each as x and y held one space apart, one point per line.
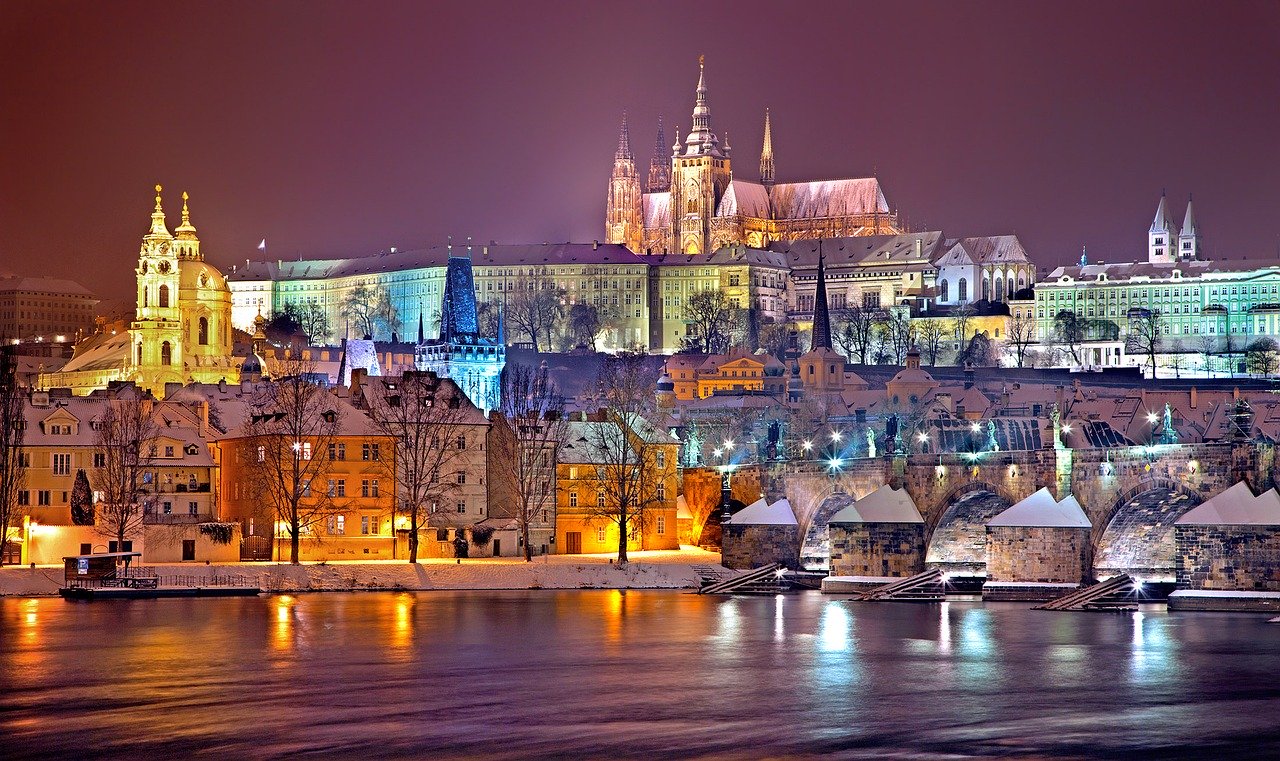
263 245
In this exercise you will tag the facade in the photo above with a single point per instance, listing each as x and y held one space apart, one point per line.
698 206
44 309
992 268
181 331
471 360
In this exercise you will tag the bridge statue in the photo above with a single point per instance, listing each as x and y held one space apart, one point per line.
1167 433
992 444
871 442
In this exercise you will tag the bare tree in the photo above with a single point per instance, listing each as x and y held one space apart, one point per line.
931 335
314 321
126 444
1145 326
534 419
424 416
631 463
292 422
899 334
1022 334
13 472
533 310
712 319
961 317
855 331
1263 356
1070 331
584 324
368 309
1206 346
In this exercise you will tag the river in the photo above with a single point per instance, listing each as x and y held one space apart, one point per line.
607 674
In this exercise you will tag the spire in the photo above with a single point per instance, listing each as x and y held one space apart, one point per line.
1161 222
1189 238
1084 256
1189 221
624 142
701 139
158 227
766 155
659 165
675 147
422 334
186 230
821 317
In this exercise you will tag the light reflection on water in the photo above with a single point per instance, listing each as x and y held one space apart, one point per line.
626 674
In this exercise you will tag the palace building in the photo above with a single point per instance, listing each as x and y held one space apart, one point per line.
697 206
181 332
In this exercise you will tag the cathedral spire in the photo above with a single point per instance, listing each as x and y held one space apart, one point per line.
766 155
821 315
1189 238
659 165
624 142
701 139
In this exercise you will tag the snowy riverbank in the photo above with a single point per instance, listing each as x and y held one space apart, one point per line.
648 570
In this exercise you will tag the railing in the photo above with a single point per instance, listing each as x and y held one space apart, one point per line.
148 579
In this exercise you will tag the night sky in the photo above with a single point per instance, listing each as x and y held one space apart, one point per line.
339 129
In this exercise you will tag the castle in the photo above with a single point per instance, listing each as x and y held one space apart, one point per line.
696 205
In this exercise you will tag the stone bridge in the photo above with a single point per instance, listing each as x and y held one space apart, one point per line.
1132 495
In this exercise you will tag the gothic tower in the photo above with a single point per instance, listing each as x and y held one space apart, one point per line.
1189 238
156 332
1160 239
623 223
766 155
700 175
659 169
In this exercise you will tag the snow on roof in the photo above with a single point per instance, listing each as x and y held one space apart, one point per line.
884 505
1236 506
828 198
749 199
761 513
1042 510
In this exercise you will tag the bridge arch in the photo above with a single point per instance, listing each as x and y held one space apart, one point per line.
958 540
1136 535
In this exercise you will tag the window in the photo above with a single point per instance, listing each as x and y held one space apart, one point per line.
193 508
337 451
168 451
364 487
24 498
262 454
306 450
600 498
573 498
662 492
332 490
462 442
202 334
662 459
166 353
373 488
42 497
62 463
164 298
364 525
962 290
306 488
942 291
462 507
342 487
442 535
341 525
600 535
167 507
662 524
461 477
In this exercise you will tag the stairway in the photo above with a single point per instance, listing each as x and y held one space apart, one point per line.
711 574
1115 594
923 587
763 580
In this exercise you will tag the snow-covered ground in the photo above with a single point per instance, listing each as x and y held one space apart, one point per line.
665 569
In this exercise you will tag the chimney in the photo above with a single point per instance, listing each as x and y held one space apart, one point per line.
919 247
1195 398
204 418
595 244
968 376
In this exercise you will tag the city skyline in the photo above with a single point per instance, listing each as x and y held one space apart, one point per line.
334 134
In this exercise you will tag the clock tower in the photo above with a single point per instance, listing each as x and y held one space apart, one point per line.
156 332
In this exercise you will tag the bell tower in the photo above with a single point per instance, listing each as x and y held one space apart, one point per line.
156 331
700 175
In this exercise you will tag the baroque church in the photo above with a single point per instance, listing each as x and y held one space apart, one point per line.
693 204
181 331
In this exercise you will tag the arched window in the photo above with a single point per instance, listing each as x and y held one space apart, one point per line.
997 289
166 352
202 336
139 353
146 292
962 290
1010 285
164 296
942 291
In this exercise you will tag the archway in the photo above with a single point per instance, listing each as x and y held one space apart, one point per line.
959 540
1138 537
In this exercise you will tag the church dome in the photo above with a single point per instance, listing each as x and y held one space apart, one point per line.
665 383
193 274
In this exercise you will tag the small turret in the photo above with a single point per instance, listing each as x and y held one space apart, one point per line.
766 155
1189 238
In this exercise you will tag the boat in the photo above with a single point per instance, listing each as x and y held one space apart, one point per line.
113 576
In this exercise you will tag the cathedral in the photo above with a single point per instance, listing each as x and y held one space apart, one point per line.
181 331
693 204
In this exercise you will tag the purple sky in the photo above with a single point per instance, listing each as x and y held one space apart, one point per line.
336 129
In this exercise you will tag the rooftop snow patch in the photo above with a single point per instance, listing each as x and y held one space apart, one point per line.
761 513
884 505
1041 510
1236 506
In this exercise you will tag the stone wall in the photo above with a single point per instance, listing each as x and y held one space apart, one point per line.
876 549
1047 555
1235 558
751 546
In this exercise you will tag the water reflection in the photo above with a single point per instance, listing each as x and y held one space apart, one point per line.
646 674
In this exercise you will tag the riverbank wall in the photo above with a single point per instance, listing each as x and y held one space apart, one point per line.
350 577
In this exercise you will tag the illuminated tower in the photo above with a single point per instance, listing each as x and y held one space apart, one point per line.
700 174
156 332
1189 238
1161 237
622 217
659 168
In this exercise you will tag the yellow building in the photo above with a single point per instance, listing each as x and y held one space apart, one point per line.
181 332
586 505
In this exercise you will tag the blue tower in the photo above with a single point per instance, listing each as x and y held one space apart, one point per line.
460 353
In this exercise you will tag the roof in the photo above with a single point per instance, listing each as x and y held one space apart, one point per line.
1236 506
761 513
53 285
749 199
868 250
657 209
1043 511
827 198
990 249
438 256
884 505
